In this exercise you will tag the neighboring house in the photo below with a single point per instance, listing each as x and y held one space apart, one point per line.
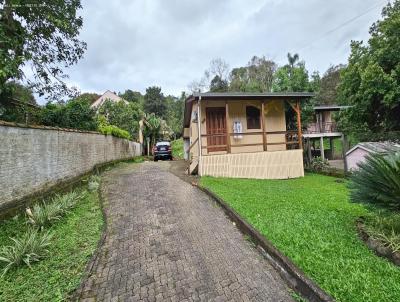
243 135
359 152
108 95
323 126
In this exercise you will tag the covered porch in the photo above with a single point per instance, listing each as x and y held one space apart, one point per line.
245 135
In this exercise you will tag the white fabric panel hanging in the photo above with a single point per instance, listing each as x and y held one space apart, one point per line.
237 128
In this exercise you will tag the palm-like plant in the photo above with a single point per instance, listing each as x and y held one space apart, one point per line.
152 126
377 181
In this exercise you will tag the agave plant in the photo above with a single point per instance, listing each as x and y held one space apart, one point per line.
30 247
377 181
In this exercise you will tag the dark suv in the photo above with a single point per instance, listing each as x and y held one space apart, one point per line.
162 150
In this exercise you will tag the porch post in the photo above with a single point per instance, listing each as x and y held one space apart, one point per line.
199 128
263 125
309 151
321 147
344 151
299 133
228 136
332 147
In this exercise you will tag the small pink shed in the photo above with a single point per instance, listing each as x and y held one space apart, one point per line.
358 153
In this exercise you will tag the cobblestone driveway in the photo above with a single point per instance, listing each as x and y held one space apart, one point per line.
168 241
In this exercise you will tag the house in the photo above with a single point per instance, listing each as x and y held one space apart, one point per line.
108 95
244 135
323 127
359 152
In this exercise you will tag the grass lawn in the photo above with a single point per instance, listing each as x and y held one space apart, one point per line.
311 221
177 148
74 241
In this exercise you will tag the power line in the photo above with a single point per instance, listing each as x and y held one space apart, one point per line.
342 25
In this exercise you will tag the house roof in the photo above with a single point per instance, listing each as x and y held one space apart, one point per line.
240 96
330 107
108 95
376 147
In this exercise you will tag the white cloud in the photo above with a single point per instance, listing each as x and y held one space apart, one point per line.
169 43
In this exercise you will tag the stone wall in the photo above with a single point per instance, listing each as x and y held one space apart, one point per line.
34 159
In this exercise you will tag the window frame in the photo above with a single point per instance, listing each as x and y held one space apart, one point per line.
256 121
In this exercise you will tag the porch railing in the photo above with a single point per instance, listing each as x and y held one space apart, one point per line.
291 140
327 127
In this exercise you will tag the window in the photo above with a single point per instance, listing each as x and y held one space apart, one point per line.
253 117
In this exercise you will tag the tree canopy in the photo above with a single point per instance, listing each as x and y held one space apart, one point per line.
124 116
43 34
76 114
371 81
154 102
292 77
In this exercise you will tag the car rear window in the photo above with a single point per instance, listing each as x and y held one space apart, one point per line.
163 144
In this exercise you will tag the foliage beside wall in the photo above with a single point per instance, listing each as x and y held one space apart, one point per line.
107 129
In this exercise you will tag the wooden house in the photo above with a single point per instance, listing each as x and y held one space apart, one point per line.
244 135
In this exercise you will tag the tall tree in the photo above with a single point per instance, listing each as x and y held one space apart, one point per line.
88 97
75 113
371 81
257 76
217 71
218 85
122 115
131 96
43 34
154 102
292 76
327 92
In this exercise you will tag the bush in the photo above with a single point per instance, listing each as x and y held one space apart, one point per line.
377 181
107 129
45 214
30 247
94 182
318 164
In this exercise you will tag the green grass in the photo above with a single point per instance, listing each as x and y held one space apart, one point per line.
177 148
311 221
74 241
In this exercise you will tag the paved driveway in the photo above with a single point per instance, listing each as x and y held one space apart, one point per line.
168 241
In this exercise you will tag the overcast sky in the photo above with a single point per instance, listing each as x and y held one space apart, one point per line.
169 43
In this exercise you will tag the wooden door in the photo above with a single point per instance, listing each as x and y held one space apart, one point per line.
216 129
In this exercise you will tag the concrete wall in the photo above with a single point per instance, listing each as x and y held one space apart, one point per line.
33 160
355 157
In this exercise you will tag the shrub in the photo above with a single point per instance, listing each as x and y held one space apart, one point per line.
108 129
30 247
94 182
45 214
318 164
385 227
377 181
